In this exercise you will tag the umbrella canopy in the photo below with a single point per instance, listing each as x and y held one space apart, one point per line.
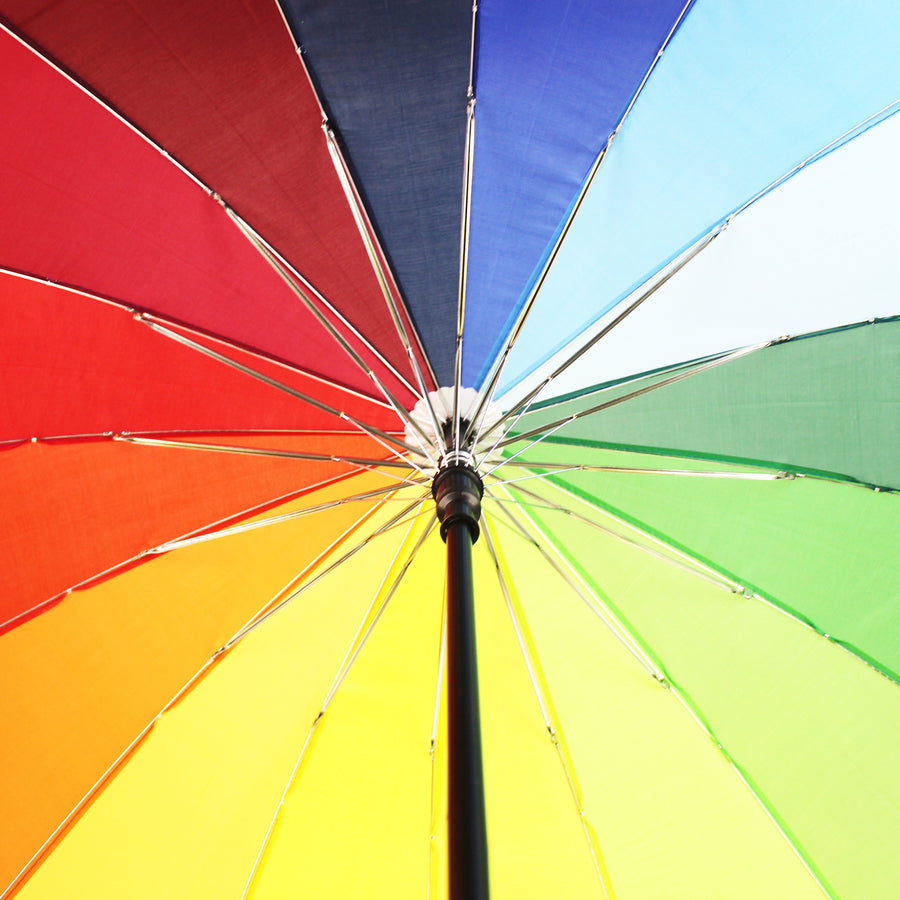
266 270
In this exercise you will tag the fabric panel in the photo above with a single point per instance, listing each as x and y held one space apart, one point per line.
393 80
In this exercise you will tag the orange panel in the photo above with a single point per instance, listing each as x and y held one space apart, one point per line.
71 511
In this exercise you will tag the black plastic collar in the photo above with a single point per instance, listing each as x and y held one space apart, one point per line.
457 491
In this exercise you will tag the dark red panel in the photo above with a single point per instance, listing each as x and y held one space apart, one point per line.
85 201
70 365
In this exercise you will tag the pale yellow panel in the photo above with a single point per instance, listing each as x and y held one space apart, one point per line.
358 817
186 816
537 846
672 818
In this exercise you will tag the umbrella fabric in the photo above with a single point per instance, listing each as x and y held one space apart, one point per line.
240 243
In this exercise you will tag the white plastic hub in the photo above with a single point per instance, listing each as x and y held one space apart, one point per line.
442 403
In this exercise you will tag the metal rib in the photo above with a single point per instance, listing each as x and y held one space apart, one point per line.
395 520
471 89
144 315
463 261
285 275
552 426
376 256
359 463
464 231
692 566
523 405
550 724
364 462
353 651
591 599
696 473
383 437
275 520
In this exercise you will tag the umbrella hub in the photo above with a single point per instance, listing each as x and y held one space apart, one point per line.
457 492
439 417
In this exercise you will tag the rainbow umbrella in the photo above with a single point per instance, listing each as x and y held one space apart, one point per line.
613 284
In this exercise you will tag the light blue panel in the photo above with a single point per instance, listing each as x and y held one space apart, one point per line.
744 93
552 81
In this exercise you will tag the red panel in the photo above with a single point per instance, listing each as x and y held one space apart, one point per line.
218 84
70 511
74 365
87 202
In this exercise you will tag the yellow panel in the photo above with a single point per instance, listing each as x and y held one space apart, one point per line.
186 816
672 817
357 820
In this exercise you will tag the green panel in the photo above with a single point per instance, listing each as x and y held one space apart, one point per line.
825 551
828 402
814 729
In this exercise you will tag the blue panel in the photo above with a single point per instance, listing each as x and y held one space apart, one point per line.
552 82
393 79
744 93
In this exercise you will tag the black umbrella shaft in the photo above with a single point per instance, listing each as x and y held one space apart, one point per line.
468 834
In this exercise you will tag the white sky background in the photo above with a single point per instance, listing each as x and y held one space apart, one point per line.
821 250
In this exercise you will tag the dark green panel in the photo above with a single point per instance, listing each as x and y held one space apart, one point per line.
828 402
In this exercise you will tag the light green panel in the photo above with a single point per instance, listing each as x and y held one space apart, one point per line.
671 816
814 728
823 550
828 402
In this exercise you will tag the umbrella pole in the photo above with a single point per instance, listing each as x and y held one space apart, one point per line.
457 490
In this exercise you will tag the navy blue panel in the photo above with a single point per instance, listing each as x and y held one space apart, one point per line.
393 79
552 81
